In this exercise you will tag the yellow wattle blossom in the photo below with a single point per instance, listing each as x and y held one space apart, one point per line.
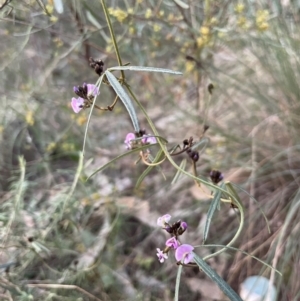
148 13
29 118
118 13
262 15
131 30
185 46
200 42
50 147
189 66
156 28
67 146
213 21
1 129
53 19
263 26
241 22
204 30
261 20
50 8
81 119
161 13
130 11
239 8
58 42
222 34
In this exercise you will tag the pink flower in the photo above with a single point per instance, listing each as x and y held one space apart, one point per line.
184 253
86 95
148 139
172 243
77 104
128 140
161 221
92 90
182 228
161 255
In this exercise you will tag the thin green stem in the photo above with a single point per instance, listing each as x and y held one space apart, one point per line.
179 271
237 234
111 31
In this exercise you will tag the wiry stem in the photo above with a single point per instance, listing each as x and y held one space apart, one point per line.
111 31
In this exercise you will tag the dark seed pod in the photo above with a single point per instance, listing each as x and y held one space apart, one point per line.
97 65
210 88
193 155
216 176
182 228
205 128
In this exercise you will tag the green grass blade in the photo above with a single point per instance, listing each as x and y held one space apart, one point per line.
144 69
256 202
233 192
226 289
98 84
179 173
213 206
103 167
233 197
179 271
201 145
245 253
181 4
125 99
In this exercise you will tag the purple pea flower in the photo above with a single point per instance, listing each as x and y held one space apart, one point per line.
77 104
172 243
148 139
161 221
128 140
216 176
86 95
92 90
161 255
182 228
184 253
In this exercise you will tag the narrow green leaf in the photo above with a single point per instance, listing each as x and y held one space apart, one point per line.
201 145
157 158
179 173
256 202
212 208
93 20
103 167
146 69
181 4
226 289
125 99
232 191
179 271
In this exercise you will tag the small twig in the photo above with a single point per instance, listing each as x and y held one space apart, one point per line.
151 164
64 286
113 38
